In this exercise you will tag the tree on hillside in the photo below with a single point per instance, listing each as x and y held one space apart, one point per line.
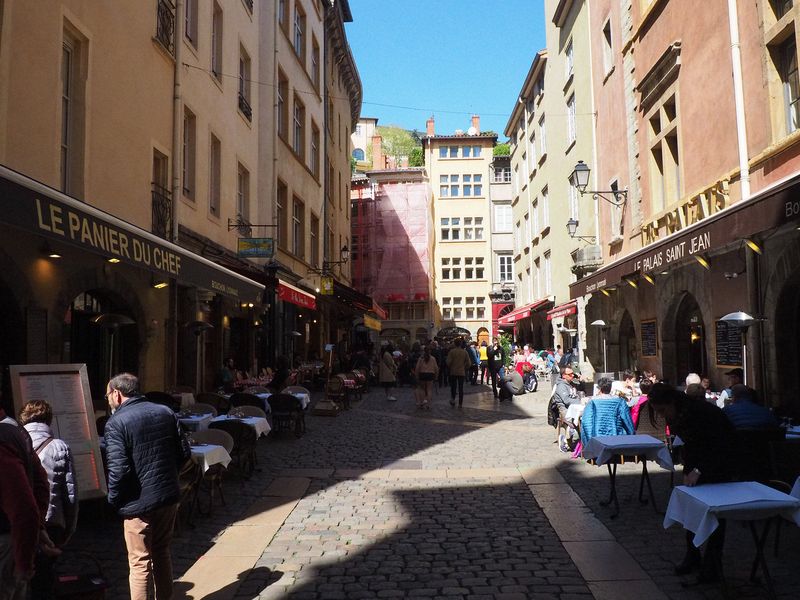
397 142
416 158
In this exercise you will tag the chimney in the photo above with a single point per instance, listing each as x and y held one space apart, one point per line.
476 123
429 127
378 161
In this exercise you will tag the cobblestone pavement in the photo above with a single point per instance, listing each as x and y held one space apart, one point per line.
472 502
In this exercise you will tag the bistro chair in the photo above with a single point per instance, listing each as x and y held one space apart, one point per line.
659 431
336 392
213 477
244 437
247 411
218 401
188 482
164 399
287 414
201 408
752 452
297 389
245 399
784 462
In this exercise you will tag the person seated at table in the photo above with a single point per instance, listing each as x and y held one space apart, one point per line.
605 414
626 388
693 378
707 436
226 375
565 393
696 391
745 412
735 376
280 377
645 385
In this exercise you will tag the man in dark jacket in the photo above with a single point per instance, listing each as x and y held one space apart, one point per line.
497 360
145 450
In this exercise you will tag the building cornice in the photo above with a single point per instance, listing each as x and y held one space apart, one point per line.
337 14
561 12
536 70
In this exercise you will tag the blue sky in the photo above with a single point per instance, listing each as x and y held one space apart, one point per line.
449 58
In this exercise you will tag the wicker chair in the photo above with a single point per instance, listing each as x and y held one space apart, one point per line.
287 414
165 399
213 477
188 480
297 389
336 392
200 408
245 399
244 437
218 401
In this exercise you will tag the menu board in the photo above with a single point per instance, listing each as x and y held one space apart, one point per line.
729 345
66 389
649 338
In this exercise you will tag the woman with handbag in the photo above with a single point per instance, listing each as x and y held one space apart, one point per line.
426 371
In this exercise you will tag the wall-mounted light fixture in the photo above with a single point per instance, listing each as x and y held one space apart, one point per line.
113 260
344 256
47 250
753 246
631 282
572 227
158 283
649 279
579 178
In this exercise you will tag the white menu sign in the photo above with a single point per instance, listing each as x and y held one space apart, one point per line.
66 389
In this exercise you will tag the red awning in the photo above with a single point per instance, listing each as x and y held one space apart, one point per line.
521 313
289 293
562 310
378 310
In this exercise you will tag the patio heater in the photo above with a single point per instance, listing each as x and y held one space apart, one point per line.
741 321
111 322
198 328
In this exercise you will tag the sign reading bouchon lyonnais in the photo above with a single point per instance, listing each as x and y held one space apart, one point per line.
255 248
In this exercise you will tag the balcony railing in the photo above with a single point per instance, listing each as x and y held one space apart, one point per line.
165 25
162 211
244 106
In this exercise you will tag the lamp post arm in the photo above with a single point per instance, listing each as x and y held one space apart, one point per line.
601 194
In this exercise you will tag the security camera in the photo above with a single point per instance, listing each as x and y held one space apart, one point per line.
729 275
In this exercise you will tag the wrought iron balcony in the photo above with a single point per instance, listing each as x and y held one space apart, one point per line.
162 211
244 106
165 25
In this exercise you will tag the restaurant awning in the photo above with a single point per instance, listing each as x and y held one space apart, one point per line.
288 293
36 208
562 310
768 209
521 313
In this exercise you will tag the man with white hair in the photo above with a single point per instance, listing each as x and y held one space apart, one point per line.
693 378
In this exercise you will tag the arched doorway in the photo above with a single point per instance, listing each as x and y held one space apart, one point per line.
690 339
96 345
628 350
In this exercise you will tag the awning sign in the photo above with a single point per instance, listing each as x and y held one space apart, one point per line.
255 248
326 286
570 308
289 293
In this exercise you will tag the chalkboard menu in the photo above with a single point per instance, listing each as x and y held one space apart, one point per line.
729 345
649 338
66 389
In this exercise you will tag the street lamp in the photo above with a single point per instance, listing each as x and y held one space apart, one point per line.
344 255
741 321
579 179
601 325
572 227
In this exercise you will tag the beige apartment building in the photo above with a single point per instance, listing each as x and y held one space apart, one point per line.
459 169
551 128
708 152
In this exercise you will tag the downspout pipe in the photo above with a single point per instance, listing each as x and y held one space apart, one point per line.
177 118
738 96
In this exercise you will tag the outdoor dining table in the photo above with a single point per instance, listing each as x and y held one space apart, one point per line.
185 398
196 422
575 412
208 455
260 424
700 508
609 449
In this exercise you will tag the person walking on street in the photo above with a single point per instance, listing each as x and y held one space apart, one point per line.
496 355
426 372
458 362
62 511
145 451
484 364
387 371
475 361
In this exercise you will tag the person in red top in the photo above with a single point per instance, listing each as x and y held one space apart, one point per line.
24 496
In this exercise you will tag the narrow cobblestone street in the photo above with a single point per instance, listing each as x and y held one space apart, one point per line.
386 501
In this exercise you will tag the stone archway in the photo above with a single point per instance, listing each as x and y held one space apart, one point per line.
684 339
628 354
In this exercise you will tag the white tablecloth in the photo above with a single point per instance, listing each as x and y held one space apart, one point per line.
210 454
605 447
305 399
699 508
793 432
196 422
260 424
796 488
575 411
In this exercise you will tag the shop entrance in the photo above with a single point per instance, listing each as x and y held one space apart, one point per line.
628 354
690 341
787 314
12 343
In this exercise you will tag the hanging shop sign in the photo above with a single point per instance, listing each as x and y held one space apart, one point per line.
326 286
255 248
289 293
372 323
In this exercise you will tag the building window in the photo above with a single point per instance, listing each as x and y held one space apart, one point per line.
298 228
791 84
190 26
72 116
476 152
505 267
315 61
571 126
518 237
545 208
314 235
216 43
665 166
314 149
569 60
283 105
542 139
466 190
548 281
572 193
189 152
443 152
473 228
502 218
477 185
454 187
244 85
215 176
281 213
608 48
781 7
473 267
283 15
299 40
451 229
298 122
445 268
243 193
358 154
453 151
535 215
501 175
